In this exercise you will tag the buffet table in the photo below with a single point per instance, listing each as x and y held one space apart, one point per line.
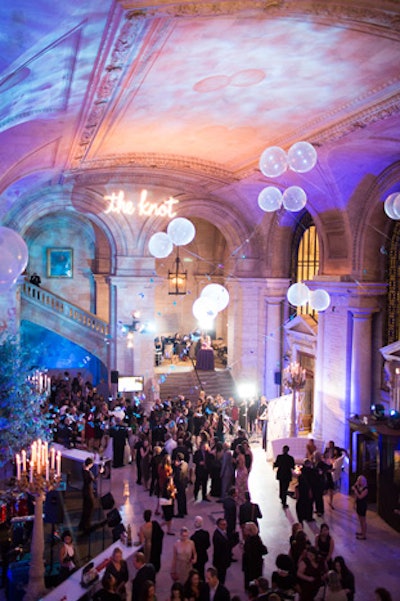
72 461
205 360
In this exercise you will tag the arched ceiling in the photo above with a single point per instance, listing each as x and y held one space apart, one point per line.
194 91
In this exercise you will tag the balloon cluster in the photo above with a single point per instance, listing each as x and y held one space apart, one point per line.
299 294
274 161
180 231
213 299
392 206
14 257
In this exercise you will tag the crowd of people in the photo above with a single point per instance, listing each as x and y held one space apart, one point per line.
181 450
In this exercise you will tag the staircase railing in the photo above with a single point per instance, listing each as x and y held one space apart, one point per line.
63 307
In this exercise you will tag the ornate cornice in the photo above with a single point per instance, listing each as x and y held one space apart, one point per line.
366 12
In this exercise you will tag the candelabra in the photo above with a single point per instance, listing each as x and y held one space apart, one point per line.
294 379
37 474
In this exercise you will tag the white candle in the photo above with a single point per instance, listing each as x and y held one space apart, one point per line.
33 453
31 473
52 458
47 470
58 463
46 451
23 453
18 462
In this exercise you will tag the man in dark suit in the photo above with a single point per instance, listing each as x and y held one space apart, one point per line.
285 465
248 511
201 539
145 571
202 459
222 550
230 513
214 590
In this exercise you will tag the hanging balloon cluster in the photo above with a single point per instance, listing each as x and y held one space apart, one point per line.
13 257
274 161
180 231
299 295
213 299
392 206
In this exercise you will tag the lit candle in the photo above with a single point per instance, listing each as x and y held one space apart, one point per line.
47 470
58 463
23 453
18 462
46 451
31 472
52 458
33 453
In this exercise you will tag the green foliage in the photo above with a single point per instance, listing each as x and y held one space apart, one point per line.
22 418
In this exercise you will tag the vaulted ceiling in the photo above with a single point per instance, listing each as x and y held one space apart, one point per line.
188 94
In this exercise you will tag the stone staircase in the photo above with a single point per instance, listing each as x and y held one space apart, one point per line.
186 383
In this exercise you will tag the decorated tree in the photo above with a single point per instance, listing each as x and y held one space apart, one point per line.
22 411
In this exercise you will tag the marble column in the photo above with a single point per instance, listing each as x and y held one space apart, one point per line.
276 290
361 361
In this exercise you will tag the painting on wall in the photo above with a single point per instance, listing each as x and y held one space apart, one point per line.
59 262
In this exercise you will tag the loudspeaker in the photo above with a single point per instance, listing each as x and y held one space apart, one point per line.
53 508
107 501
117 531
114 377
113 518
278 378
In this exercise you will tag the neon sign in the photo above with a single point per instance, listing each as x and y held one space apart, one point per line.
143 208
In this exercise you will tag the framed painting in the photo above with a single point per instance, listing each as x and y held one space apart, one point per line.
59 262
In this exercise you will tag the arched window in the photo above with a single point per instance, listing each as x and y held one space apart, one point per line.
305 257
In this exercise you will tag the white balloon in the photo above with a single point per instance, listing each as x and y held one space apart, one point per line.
270 199
160 245
319 299
218 294
13 255
392 206
294 199
204 308
273 161
298 294
302 157
181 231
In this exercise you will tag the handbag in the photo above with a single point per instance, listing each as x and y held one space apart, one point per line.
165 502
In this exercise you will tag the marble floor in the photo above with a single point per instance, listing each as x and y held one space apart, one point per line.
374 561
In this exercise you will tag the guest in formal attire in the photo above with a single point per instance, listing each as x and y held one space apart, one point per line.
222 550
193 586
202 460
108 590
148 592
67 556
87 496
151 537
346 577
253 554
230 514
144 572
227 471
119 434
285 465
249 512
360 490
183 557
333 589
214 589
119 569
201 539
181 476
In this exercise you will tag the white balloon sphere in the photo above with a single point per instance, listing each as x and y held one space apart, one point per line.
160 245
204 308
13 255
392 206
270 199
294 199
298 294
302 157
181 231
319 299
273 161
217 294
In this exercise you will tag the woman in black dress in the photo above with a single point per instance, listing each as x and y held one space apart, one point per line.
119 569
360 490
253 552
